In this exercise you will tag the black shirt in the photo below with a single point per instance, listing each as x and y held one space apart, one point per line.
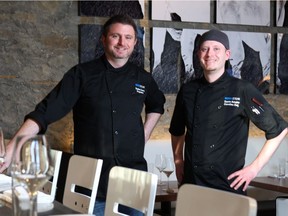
216 119
107 105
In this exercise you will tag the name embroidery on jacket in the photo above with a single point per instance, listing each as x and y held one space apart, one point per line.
232 101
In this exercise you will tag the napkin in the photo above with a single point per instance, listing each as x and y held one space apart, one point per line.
44 201
41 197
5 182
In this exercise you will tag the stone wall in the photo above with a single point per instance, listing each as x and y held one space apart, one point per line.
39 43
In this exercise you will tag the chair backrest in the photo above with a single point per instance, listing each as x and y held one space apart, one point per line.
51 186
282 206
133 188
85 173
204 201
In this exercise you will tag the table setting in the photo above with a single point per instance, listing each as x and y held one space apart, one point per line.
30 169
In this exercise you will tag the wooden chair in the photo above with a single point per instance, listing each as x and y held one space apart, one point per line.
204 201
82 172
51 186
132 188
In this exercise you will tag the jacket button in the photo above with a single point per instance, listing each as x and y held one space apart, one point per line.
116 132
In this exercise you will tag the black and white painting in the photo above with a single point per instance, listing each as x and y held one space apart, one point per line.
172 57
185 11
135 8
282 64
282 48
91 46
175 61
244 12
251 57
281 13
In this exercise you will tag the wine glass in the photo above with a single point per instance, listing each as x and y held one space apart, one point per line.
31 168
2 147
168 171
160 164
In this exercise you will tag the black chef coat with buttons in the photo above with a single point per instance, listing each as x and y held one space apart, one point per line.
107 105
216 119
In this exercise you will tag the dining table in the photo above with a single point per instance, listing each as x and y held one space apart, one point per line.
264 182
166 198
57 209
271 183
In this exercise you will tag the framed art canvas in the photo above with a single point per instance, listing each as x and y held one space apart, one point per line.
172 57
282 64
282 13
182 11
244 12
135 9
251 57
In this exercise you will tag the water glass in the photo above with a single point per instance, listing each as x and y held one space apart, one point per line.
31 168
282 168
160 164
2 147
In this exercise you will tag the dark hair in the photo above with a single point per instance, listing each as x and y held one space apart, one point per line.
120 18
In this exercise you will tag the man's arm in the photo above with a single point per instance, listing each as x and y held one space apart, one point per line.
151 120
177 147
245 175
29 127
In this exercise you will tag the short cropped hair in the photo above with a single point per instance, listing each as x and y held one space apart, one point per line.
120 18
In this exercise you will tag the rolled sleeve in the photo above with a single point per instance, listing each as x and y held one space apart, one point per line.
262 114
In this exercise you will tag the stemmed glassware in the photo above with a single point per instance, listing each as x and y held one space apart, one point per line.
160 164
168 171
31 169
2 147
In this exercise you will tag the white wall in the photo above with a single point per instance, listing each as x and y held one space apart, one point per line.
271 168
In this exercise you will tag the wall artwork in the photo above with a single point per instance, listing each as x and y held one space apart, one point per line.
281 13
91 46
282 64
244 12
177 10
174 58
251 57
109 8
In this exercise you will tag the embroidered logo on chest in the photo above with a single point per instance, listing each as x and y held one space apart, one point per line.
232 101
140 88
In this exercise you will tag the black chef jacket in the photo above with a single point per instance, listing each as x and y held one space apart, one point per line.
107 105
216 119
